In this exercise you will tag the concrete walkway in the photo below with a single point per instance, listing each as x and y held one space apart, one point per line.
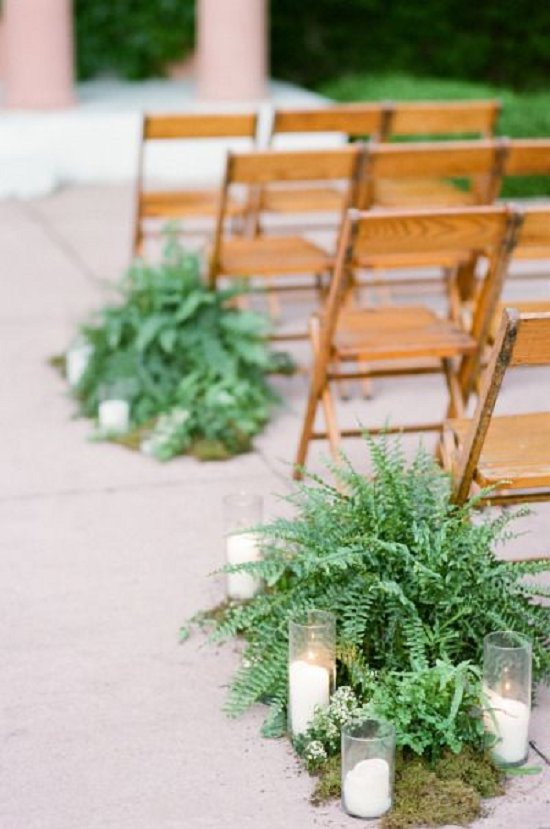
106 722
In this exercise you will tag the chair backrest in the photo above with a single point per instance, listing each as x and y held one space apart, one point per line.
354 120
490 231
477 118
528 157
172 127
199 125
390 119
479 161
299 165
522 340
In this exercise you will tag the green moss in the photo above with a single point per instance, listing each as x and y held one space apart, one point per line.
328 782
422 798
474 769
448 792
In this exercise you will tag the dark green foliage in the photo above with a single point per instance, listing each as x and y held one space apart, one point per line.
314 41
415 587
524 115
503 41
192 365
133 38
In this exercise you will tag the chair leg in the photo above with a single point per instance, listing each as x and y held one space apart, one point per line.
305 437
455 407
333 433
273 304
318 391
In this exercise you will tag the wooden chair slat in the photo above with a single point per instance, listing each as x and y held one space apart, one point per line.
301 165
446 159
528 157
532 346
444 117
351 119
199 125
271 255
452 230
177 204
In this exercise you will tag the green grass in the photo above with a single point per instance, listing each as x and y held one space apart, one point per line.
524 114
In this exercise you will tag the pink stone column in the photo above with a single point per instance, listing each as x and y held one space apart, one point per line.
232 49
38 62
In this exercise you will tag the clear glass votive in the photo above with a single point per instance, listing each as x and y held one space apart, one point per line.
507 662
368 767
77 359
311 666
113 412
242 510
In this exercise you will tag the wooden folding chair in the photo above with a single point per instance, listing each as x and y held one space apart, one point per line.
164 205
509 452
258 256
392 341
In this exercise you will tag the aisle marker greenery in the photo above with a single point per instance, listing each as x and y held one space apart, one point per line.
415 586
192 365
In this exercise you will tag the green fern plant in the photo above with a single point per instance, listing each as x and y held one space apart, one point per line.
193 365
414 584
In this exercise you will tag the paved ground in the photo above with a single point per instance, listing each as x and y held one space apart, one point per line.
106 723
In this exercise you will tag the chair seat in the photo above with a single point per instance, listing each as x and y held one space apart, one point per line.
180 203
396 261
398 333
302 200
272 255
516 450
420 192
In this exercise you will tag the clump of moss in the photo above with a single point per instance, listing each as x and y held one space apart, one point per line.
424 799
447 792
328 781
474 769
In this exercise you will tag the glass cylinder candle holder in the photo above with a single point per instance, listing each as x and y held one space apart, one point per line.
113 412
368 765
311 668
507 694
77 359
243 510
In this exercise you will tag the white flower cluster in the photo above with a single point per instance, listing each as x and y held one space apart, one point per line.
163 432
315 753
343 705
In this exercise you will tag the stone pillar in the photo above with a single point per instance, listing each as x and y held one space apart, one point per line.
232 49
38 62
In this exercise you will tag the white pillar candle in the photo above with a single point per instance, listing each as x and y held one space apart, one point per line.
508 720
242 547
114 416
309 687
76 362
367 789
